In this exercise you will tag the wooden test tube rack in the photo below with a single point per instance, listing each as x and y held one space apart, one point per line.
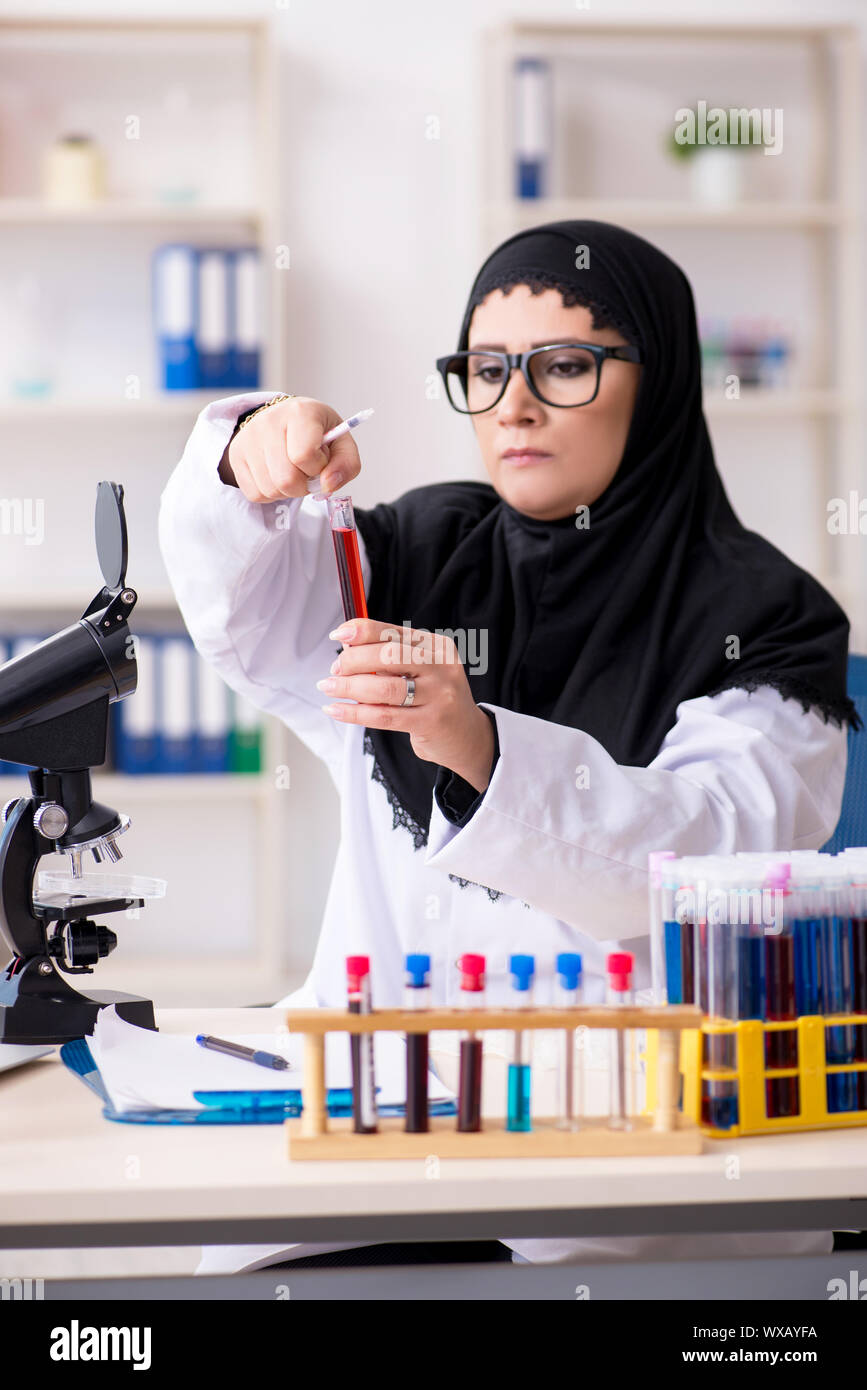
664 1131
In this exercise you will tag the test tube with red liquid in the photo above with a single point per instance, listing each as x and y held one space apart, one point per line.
417 993
472 996
345 537
781 1046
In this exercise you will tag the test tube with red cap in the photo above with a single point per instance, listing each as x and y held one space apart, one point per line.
472 996
361 1048
619 965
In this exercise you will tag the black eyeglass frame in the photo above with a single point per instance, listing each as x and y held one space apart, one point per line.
624 352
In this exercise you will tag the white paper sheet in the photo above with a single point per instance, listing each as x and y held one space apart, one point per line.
146 1070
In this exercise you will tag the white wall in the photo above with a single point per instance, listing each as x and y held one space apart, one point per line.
383 227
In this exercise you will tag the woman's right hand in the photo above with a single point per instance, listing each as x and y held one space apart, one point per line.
275 453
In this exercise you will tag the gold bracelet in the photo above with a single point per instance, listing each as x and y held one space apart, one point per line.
275 400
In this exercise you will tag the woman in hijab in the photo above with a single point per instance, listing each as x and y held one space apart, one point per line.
585 659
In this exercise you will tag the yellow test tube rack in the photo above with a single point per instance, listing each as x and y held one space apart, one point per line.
661 1129
750 1074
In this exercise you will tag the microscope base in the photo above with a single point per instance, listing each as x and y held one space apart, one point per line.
46 1009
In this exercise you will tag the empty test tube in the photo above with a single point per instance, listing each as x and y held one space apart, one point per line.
570 1072
620 965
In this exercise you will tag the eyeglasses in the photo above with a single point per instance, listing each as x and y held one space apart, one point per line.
558 374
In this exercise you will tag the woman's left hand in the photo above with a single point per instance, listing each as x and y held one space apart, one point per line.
444 723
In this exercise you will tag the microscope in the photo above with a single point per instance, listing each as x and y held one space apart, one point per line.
54 719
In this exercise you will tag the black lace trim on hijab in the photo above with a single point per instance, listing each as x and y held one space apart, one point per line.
795 688
400 816
538 281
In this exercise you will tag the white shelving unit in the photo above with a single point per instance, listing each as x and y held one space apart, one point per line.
125 227
116 212
707 60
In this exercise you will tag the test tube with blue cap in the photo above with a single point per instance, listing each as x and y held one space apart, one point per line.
522 970
569 994
417 996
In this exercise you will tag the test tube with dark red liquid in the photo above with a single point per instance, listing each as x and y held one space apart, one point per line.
361 1047
472 996
345 537
417 996
781 1046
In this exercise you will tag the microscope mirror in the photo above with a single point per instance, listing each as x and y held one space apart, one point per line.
110 529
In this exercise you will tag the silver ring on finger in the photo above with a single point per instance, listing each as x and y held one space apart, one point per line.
410 691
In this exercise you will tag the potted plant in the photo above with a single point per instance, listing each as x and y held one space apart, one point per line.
709 141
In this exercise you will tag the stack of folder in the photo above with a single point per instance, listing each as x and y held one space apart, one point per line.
182 718
207 317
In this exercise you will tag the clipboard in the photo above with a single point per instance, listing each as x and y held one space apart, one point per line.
221 1107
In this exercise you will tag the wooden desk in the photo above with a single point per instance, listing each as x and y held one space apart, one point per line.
70 1178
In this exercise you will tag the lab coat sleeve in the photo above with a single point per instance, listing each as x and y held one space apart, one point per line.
255 583
567 830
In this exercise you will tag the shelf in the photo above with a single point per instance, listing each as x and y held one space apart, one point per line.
753 404
224 786
117 234
31 211
52 600
652 212
589 27
179 786
168 405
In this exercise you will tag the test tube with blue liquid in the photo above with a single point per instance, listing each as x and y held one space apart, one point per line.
569 993
750 943
664 938
802 906
857 858
719 1094
837 986
521 969
677 905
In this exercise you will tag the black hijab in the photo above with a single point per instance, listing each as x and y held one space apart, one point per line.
605 629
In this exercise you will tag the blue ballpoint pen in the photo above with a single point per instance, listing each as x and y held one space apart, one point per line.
245 1054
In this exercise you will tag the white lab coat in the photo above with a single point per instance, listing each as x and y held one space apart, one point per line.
738 771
